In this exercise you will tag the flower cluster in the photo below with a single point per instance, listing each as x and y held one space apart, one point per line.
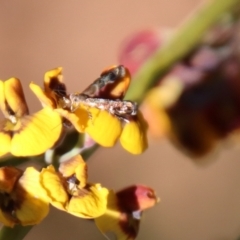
22 200
22 134
26 195
99 112
103 127
196 104
124 210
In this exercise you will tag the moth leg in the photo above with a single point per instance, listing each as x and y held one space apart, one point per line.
122 118
89 114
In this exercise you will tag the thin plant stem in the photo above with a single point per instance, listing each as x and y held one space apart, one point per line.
16 233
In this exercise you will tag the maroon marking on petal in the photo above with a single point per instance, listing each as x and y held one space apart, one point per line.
127 199
129 225
135 198
57 87
131 202
7 205
11 176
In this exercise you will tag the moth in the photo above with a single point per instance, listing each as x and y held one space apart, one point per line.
106 93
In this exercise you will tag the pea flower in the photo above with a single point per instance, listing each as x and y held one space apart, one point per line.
196 103
200 107
124 211
22 199
68 189
22 134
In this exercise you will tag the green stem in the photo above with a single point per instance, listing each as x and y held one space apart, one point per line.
185 39
13 161
16 233
86 154
17 161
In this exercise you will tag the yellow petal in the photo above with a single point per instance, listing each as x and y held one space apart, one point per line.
78 119
6 220
54 86
42 96
156 103
34 204
14 97
123 214
75 166
5 140
49 75
8 178
81 174
103 127
166 94
68 168
53 186
159 124
90 203
39 132
2 99
133 137
115 222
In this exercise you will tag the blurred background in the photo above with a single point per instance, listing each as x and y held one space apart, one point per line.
197 201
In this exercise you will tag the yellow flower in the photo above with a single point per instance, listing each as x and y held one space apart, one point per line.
69 191
124 210
22 200
22 134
